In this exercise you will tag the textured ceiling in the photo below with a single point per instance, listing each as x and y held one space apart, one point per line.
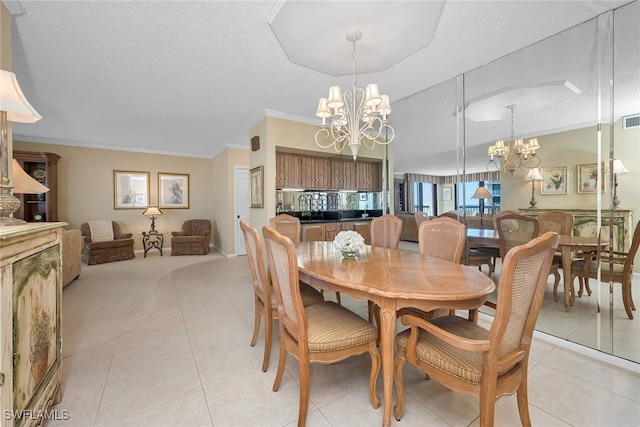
191 77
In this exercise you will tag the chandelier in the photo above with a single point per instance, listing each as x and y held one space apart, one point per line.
514 154
356 117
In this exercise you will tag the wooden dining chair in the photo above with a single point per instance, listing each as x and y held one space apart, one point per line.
562 223
264 297
385 233
420 217
442 238
289 226
616 269
321 333
467 358
514 230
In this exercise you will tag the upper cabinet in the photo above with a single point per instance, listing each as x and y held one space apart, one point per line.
43 167
288 170
324 173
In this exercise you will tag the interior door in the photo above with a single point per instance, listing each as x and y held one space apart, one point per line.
241 205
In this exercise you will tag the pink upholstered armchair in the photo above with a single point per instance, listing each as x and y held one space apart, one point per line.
193 239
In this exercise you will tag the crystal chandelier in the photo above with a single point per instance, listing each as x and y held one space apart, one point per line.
514 154
357 116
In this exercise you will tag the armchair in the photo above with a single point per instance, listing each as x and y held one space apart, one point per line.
192 239
119 248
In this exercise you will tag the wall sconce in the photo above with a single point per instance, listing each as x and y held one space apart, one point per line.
153 211
618 168
533 175
14 107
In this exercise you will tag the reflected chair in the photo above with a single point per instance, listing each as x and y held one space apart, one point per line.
321 333
616 269
562 223
385 233
192 239
467 358
265 299
515 230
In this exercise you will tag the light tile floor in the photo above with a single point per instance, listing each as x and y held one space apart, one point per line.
164 341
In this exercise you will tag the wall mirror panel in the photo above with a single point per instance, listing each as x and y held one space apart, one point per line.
561 92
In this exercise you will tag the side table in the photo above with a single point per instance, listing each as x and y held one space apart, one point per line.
152 240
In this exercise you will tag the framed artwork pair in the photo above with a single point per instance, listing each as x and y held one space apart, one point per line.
555 179
131 190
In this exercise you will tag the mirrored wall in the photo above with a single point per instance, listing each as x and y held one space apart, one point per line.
575 93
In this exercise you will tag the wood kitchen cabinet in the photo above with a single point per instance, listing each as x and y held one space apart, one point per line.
369 176
43 167
343 174
288 170
313 232
314 173
327 231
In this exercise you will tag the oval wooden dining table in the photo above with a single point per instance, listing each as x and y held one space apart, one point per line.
393 279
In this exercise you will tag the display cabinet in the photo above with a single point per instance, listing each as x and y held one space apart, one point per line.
43 167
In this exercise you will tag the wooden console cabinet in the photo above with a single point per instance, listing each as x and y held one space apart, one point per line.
585 224
30 314
327 231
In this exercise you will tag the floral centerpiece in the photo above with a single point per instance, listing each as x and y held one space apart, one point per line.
349 243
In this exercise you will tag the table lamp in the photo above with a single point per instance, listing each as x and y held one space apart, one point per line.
481 193
533 175
14 107
153 211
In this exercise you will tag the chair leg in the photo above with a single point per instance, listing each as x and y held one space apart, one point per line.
398 364
268 333
281 362
487 405
370 311
523 402
586 286
256 326
304 392
373 377
338 299
626 295
556 282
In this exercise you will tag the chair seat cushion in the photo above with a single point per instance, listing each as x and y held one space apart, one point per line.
332 327
466 365
190 239
618 269
110 244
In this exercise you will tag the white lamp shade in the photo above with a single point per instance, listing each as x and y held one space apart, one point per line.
534 175
23 183
152 210
482 193
618 167
335 97
323 110
385 107
372 95
13 101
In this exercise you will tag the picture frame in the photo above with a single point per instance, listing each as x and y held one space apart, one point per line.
554 180
587 178
363 197
130 189
256 180
446 194
173 190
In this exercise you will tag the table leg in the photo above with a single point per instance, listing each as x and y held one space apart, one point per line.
387 346
566 277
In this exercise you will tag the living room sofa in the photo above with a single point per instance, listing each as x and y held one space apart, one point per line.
409 227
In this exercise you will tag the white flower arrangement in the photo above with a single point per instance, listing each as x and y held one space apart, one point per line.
348 241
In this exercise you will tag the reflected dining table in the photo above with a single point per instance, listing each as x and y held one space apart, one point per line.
566 245
392 279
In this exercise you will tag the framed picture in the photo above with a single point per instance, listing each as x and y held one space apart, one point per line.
363 197
554 180
257 189
130 190
446 194
173 191
588 178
